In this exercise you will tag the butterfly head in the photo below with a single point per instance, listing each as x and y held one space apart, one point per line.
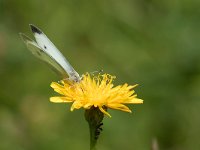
74 76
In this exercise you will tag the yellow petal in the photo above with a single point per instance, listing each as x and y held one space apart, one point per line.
76 105
119 107
58 88
105 112
134 101
60 100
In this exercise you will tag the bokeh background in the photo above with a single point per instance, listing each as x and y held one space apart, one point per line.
150 42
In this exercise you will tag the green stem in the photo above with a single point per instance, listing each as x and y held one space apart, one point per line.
93 141
94 118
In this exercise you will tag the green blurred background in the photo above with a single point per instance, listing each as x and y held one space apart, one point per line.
150 42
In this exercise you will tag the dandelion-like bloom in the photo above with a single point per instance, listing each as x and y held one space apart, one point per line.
95 91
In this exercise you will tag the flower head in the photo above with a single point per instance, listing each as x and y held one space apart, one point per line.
97 91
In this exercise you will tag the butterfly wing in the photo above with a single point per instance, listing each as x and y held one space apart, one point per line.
48 47
38 52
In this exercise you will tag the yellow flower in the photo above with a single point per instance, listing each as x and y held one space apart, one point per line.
97 91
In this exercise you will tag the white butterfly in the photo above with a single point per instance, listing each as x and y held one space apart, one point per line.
46 51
